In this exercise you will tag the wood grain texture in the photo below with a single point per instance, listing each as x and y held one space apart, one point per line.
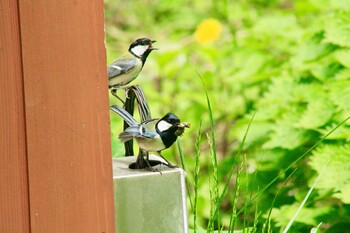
14 209
67 116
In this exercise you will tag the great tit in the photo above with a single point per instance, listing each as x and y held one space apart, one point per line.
153 135
128 66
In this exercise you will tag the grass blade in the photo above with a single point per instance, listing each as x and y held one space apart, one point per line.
196 175
235 200
211 220
179 146
305 199
213 151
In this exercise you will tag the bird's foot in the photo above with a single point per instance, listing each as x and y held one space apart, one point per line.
170 165
167 163
152 169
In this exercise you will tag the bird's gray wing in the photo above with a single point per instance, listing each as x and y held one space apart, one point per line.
129 133
120 66
148 128
136 132
147 134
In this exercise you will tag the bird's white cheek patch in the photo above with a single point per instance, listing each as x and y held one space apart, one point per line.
163 125
139 50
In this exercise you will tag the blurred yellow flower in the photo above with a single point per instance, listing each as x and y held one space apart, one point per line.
208 30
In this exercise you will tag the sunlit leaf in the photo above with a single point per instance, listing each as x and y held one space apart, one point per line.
340 4
343 56
307 216
340 94
338 30
337 175
317 114
286 137
313 48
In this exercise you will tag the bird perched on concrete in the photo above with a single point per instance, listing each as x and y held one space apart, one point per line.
153 135
127 67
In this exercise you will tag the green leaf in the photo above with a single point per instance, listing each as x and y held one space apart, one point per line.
307 92
313 48
317 114
117 147
343 56
307 215
342 133
269 160
285 134
276 99
259 131
340 94
338 29
287 137
250 62
343 74
326 69
281 25
337 175
340 4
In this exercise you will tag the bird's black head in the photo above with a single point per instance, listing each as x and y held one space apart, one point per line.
141 48
166 128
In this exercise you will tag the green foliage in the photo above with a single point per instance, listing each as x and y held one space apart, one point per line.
288 61
337 177
337 29
307 216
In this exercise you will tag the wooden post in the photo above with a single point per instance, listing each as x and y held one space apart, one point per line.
14 208
55 163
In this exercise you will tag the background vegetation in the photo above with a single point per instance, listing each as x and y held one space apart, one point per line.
287 62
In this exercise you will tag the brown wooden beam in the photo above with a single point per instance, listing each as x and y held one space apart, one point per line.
65 118
14 208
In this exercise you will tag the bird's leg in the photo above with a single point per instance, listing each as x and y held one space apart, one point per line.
114 93
168 164
142 163
150 168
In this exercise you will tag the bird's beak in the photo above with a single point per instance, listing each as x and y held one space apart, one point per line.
151 47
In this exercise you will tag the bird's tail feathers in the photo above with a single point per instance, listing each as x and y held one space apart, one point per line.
130 120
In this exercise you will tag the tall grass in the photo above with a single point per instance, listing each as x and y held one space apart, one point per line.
213 154
196 175
217 197
286 229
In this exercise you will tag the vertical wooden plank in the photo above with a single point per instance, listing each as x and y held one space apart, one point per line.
14 210
67 116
